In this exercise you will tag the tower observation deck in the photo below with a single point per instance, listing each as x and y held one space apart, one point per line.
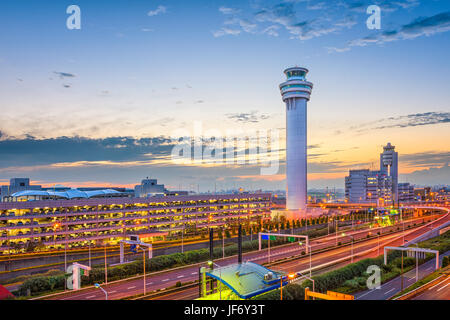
295 92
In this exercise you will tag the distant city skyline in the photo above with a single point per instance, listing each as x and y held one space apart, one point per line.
97 106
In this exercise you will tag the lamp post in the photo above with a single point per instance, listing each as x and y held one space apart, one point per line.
281 287
353 240
223 242
143 262
337 223
106 268
401 274
211 263
182 238
310 260
89 253
104 291
310 256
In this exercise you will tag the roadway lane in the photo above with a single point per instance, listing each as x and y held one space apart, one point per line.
440 291
342 257
169 278
392 287
32 263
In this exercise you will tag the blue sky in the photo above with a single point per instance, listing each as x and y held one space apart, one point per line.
112 92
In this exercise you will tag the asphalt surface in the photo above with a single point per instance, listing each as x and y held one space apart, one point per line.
164 279
392 287
371 249
38 263
440 291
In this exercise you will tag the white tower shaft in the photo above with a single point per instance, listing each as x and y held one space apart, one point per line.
296 153
296 92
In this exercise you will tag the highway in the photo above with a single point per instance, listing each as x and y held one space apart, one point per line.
324 259
168 278
32 263
440 291
392 287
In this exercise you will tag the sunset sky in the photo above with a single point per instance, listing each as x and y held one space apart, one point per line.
98 106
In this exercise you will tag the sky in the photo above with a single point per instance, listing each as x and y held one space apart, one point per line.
101 105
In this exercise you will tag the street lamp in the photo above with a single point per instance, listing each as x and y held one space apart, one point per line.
353 240
337 224
182 238
223 242
99 287
143 261
106 268
211 264
310 258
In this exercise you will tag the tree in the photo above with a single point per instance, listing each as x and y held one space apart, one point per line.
445 262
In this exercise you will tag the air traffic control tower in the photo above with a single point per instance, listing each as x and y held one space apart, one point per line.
295 92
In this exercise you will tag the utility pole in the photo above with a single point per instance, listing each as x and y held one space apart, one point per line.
281 287
106 268
401 273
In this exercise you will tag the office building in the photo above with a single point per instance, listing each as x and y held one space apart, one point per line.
149 188
389 165
405 192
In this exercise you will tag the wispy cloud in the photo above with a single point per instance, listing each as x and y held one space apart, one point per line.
413 120
63 75
157 11
433 159
228 10
249 117
226 31
283 16
424 26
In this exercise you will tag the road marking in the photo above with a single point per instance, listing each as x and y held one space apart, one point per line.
429 268
149 283
194 273
165 280
180 276
90 297
437 284
389 291
443 287
411 279
112 291
129 288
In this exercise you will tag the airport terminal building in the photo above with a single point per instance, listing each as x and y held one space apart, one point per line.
103 217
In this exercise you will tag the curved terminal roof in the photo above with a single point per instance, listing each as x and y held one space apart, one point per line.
246 279
68 194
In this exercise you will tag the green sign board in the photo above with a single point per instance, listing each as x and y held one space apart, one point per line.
272 237
291 239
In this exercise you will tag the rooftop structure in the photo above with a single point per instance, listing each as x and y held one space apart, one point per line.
247 279
149 188
68 194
